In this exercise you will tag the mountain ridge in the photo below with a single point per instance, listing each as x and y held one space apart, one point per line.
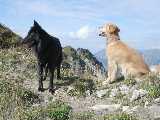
8 38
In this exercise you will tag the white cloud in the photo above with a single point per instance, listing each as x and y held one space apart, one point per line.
83 33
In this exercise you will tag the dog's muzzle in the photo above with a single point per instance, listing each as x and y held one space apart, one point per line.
102 34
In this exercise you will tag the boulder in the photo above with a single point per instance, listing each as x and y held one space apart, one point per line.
109 108
101 93
138 94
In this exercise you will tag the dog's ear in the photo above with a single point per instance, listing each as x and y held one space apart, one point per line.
112 28
118 30
36 24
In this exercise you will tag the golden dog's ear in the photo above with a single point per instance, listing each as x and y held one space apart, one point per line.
118 30
112 28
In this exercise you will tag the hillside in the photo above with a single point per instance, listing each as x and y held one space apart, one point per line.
79 95
8 38
76 98
151 56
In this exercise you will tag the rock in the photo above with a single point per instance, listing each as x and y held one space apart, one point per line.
88 93
133 109
154 110
36 105
114 92
125 108
109 108
101 93
140 112
138 94
124 89
157 100
69 89
146 104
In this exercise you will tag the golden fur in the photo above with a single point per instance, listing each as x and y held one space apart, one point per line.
121 58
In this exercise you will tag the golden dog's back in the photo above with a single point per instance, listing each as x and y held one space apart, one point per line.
126 57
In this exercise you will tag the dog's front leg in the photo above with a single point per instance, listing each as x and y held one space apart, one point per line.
112 73
51 73
40 74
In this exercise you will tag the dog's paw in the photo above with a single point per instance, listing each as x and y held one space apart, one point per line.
52 91
41 89
59 78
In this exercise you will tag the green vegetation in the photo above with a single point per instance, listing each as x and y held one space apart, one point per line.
152 86
58 111
8 38
120 116
16 104
153 91
35 113
81 87
83 116
130 81
14 99
55 111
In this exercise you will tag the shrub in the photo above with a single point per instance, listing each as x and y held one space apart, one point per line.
130 80
28 97
152 85
153 91
58 111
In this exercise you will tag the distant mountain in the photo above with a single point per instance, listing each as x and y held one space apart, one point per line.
8 38
82 62
101 56
151 56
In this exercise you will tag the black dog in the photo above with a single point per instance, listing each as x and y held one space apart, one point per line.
48 51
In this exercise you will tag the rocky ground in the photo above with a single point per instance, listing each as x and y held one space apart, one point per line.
88 99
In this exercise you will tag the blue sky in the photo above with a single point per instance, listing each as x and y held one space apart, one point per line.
76 22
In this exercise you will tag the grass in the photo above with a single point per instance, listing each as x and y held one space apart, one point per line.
152 86
120 116
153 91
16 104
54 111
34 113
130 81
58 111
81 87
83 116
14 99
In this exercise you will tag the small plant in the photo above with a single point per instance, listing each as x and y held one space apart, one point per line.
120 116
28 97
35 113
83 116
58 111
130 81
152 85
81 86
153 91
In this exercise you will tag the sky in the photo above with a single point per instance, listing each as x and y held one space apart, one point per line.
76 22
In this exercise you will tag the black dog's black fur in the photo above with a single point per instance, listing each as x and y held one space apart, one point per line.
48 51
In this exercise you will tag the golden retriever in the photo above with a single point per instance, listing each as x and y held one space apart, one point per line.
121 58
